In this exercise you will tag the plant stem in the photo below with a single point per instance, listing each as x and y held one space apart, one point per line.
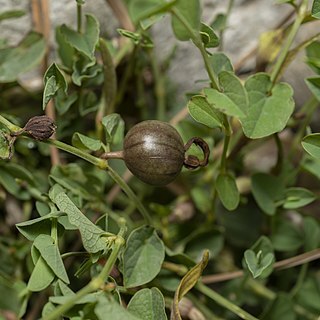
79 18
13 128
224 302
123 185
285 50
54 230
159 86
109 87
278 166
223 163
300 280
279 265
100 163
94 284
198 43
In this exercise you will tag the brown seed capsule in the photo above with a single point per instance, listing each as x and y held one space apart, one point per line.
40 127
154 152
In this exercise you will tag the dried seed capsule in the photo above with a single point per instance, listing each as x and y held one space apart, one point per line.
40 127
154 152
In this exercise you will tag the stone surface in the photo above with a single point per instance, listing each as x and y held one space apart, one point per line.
247 21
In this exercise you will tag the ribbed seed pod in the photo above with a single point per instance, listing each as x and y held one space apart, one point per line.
154 152
40 127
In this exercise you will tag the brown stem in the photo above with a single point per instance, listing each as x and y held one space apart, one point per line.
279 265
112 155
41 22
121 13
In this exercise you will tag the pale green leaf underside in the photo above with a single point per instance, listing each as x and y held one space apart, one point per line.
143 257
92 236
148 304
50 253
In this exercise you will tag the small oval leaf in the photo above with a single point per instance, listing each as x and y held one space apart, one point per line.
143 257
228 191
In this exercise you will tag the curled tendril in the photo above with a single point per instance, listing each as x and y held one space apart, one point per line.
192 162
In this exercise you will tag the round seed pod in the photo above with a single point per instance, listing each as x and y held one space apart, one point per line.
154 152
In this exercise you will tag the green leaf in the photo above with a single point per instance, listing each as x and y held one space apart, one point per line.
41 276
311 230
148 304
50 253
233 101
11 296
298 197
11 14
54 80
311 165
144 9
84 42
148 22
190 10
83 142
309 294
84 70
143 257
286 236
219 22
313 84
201 111
220 62
315 11
260 258
10 183
313 56
311 144
63 101
267 190
19 172
269 107
92 236
202 239
65 50
4 146
88 103
113 310
209 38
227 191
15 61
32 228
110 124
187 283
257 265
200 199
141 39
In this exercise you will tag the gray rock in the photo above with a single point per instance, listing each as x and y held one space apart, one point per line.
247 21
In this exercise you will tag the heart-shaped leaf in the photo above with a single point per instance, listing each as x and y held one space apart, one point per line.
269 107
